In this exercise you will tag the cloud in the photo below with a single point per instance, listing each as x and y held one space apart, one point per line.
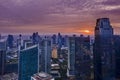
76 14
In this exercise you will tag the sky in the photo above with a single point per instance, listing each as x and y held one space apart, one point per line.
53 16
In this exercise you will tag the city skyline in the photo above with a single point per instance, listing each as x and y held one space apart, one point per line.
53 16
30 57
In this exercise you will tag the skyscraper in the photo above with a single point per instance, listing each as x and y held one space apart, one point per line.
117 56
59 40
2 56
35 38
82 58
71 56
54 39
103 50
28 62
79 57
10 40
0 36
45 55
20 41
54 53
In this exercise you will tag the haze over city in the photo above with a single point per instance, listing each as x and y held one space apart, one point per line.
53 16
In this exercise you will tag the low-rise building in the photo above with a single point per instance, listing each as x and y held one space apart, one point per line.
42 76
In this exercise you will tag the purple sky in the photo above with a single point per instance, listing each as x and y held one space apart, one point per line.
52 16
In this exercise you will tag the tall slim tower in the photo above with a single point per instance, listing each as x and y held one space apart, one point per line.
10 40
79 57
45 55
82 58
28 62
103 50
71 56
2 56
117 56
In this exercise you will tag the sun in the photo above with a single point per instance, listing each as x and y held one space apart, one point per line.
86 31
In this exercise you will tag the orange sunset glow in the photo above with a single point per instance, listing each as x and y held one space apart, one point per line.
53 16
86 31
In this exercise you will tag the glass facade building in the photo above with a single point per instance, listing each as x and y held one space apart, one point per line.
117 56
2 56
79 57
103 50
71 56
45 55
28 62
82 58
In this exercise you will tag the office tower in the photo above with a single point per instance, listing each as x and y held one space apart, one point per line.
8 63
71 56
27 43
54 53
41 76
54 39
20 41
35 38
59 40
45 55
82 58
64 41
2 56
0 36
11 61
28 62
79 60
103 50
11 67
10 40
117 56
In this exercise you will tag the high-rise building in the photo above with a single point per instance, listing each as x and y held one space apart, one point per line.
11 64
45 55
8 64
35 38
2 56
117 56
28 62
65 40
71 56
0 36
27 43
59 40
10 40
54 53
103 50
79 60
54 39
82 58
20 41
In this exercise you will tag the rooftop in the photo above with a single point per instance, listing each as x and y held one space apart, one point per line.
29 47
42 76
2 40
11 76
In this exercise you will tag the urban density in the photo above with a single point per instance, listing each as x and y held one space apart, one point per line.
62 57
